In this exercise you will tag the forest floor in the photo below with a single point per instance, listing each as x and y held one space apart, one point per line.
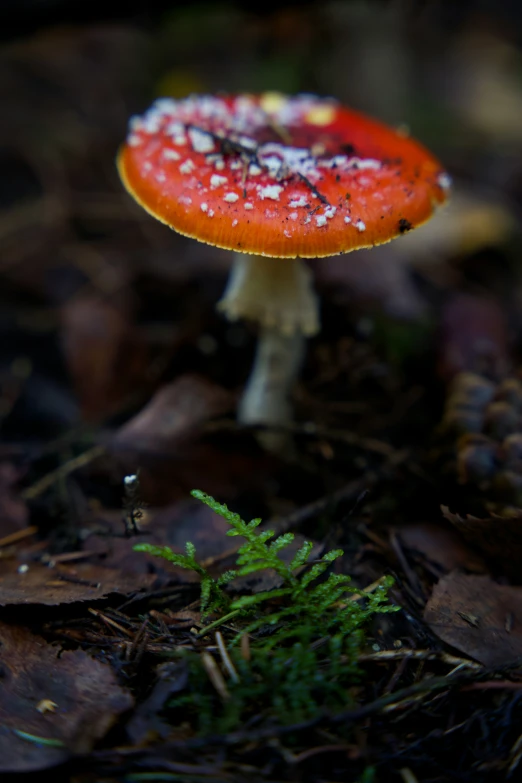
407 457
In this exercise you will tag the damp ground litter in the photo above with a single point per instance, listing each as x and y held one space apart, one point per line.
180 599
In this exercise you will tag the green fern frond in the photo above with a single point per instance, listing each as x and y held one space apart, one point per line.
304 608
288 672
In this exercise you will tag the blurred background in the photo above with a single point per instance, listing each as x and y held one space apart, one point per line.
101 306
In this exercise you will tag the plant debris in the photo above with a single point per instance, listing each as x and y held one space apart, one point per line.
52 704
479 617
64 583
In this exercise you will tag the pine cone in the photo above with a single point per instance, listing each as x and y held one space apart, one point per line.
483 422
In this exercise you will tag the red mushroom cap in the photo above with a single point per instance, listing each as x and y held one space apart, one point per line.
278 176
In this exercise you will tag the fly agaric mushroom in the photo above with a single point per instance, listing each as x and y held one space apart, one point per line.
277 179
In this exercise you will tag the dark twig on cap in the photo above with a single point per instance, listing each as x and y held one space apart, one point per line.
249 156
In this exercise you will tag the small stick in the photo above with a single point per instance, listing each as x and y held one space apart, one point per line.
13 538
39 487
137 639
76 580
227 663
418 655
66 557
310 752
314 190
245 647
407 775
214 675
108 621
228 145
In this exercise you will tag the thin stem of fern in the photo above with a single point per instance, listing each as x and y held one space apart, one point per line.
218 622
363 592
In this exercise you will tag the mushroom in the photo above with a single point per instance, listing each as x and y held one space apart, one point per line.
277 179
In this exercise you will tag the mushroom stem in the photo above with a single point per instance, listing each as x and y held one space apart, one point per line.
278 294
266 395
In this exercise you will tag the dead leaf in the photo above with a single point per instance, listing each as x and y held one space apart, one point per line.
85 692
230 465
172 526
477 616
174 415
165 441
498 537
442 546
195 522
39 584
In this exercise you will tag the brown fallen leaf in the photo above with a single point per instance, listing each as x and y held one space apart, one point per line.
477 616
171 526
85 692
174 416
174 526
35 583
498 537
226 470
169 443
216 550
442 546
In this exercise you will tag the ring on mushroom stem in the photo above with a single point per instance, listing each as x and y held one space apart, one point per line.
277 179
